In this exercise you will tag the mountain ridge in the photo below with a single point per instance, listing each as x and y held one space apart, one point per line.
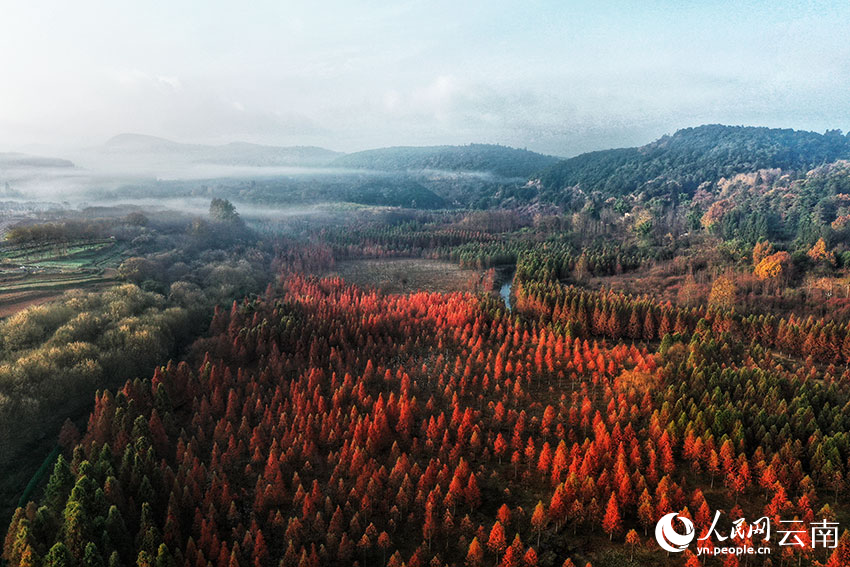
496 159
690 157
18 159
232 153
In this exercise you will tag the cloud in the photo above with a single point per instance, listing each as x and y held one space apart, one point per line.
173 82
558 77
168 106
136 78
440 94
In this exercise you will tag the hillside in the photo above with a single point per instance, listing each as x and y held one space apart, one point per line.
283 190
242 153
689 158
17 160
497 160
236 153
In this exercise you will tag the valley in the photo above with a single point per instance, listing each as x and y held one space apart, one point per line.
283 379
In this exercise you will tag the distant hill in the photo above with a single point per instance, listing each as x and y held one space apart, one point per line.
399 192
690 157
143 143
16 160
243 153
487 158
236 153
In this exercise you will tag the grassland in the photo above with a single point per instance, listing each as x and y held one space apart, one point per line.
406 275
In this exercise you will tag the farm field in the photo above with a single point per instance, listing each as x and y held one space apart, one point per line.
34 274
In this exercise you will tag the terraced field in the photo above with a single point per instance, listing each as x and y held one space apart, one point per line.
33 274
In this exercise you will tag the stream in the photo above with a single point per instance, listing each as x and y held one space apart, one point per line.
505 289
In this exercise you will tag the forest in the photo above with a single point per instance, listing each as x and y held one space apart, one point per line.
244 390
484 158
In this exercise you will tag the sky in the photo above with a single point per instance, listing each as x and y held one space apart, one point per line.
559 77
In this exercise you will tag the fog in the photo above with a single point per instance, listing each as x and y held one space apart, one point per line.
200 207
314 195
106 176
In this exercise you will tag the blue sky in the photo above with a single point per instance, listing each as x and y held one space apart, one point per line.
558 77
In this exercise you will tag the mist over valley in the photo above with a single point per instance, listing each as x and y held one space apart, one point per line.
424 284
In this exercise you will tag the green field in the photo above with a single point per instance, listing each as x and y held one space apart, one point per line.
71 256
35 273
